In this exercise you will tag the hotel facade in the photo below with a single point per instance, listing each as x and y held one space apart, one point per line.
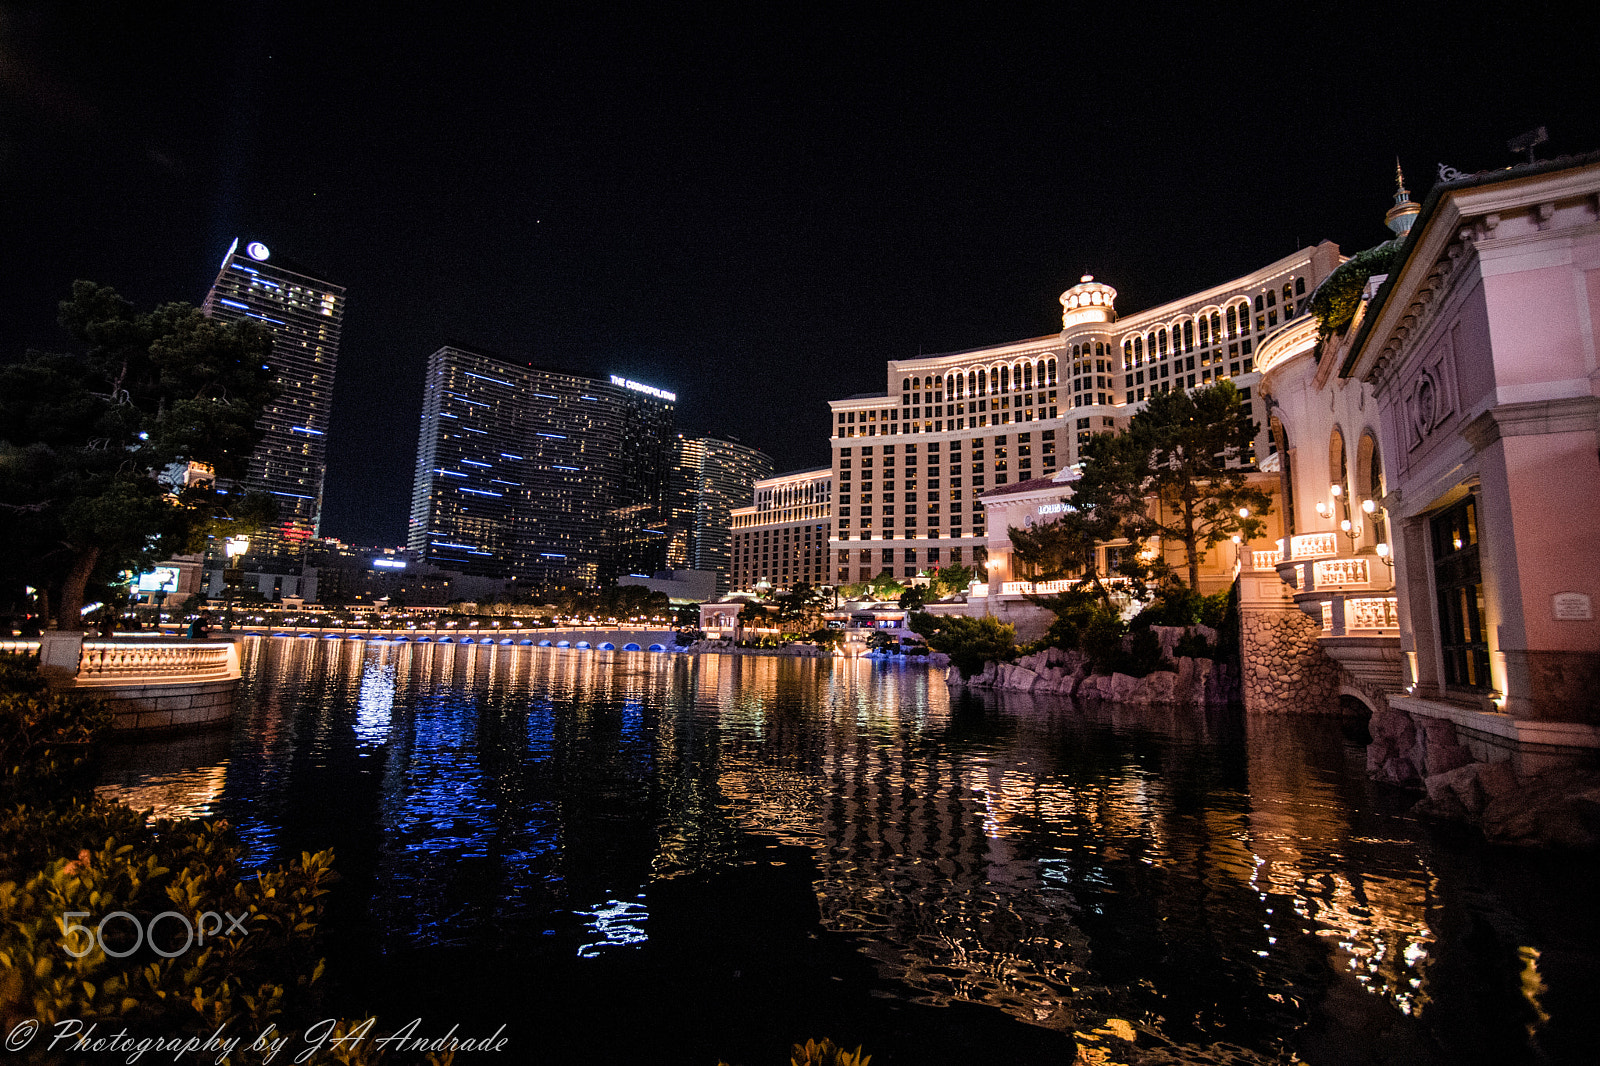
910 463
554 479
781 540
305 316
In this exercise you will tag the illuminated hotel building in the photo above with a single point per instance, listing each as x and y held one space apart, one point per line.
553 478
304 315
782 539
710 478
910 463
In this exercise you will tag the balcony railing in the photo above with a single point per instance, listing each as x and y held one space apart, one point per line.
1265 560
1331 572
127 660
1372 612
1314 545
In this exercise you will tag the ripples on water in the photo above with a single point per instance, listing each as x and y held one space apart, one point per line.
1168 886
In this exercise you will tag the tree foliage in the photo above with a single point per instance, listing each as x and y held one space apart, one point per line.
89 437
970 642
1182 454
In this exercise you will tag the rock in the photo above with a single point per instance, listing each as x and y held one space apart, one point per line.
1161 686
1555 809
1126 689
1441 751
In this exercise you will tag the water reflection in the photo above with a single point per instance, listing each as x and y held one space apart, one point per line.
1166 885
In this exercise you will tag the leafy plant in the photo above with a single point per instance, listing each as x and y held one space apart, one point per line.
1336 299
970 642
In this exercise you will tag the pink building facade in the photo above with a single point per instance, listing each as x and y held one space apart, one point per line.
1464 402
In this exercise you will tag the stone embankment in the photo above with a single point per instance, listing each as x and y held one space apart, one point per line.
728 647
1186 681
1558 807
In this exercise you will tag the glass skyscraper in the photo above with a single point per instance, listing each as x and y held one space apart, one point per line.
710 477
304 315
554 478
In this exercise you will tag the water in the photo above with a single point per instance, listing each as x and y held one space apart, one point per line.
642 857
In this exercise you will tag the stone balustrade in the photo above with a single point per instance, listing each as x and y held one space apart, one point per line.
1265 560
116 661
1314 545
1332 572
1372 612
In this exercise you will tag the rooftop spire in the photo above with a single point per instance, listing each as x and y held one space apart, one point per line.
1399 217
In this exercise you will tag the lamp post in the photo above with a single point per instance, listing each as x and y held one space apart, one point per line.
234 547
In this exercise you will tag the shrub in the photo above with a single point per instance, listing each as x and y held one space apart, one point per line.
1194 646
1173 605
970 642
45 737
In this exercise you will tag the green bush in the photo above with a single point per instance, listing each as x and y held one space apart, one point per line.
45 737
970 642
1336 299
1173 605
1194 646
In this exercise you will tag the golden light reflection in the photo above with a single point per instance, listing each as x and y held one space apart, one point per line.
181 794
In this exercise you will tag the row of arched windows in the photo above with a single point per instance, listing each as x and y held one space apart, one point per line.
1010 377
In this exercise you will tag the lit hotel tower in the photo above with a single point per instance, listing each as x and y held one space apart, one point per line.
304 315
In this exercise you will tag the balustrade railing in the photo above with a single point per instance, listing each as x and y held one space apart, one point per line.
125 660
1372 612
19 647
1314 545
1339 572
1265 560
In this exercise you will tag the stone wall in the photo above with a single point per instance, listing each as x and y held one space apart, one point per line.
1285 670
1189 682
166 708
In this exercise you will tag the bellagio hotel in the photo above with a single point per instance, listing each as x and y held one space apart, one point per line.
910 463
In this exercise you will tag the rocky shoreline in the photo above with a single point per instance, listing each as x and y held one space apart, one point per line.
1183 681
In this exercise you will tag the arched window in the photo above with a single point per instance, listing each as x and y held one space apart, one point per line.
1233 325
1127 350
1027 375
1161 339
1005 379
905 386
1288 294
972 383
1272 299
1205 332
1188 336
1138 348
994 379
1370 486
1299 286
1052 372
1280 437
1338 464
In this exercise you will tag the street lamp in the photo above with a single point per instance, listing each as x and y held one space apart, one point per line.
233 547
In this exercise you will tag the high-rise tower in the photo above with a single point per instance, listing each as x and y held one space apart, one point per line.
304 314
710 477
554 478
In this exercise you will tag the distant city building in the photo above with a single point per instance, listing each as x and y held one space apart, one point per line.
782 539
555 479
710 478
910 463
305 315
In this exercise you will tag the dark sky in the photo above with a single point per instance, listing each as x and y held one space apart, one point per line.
754 205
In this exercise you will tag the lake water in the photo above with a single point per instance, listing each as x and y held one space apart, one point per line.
635 857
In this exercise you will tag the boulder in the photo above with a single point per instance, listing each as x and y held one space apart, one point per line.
1126 689
1161 687
1555 809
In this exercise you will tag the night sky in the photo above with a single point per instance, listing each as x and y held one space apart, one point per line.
754 205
